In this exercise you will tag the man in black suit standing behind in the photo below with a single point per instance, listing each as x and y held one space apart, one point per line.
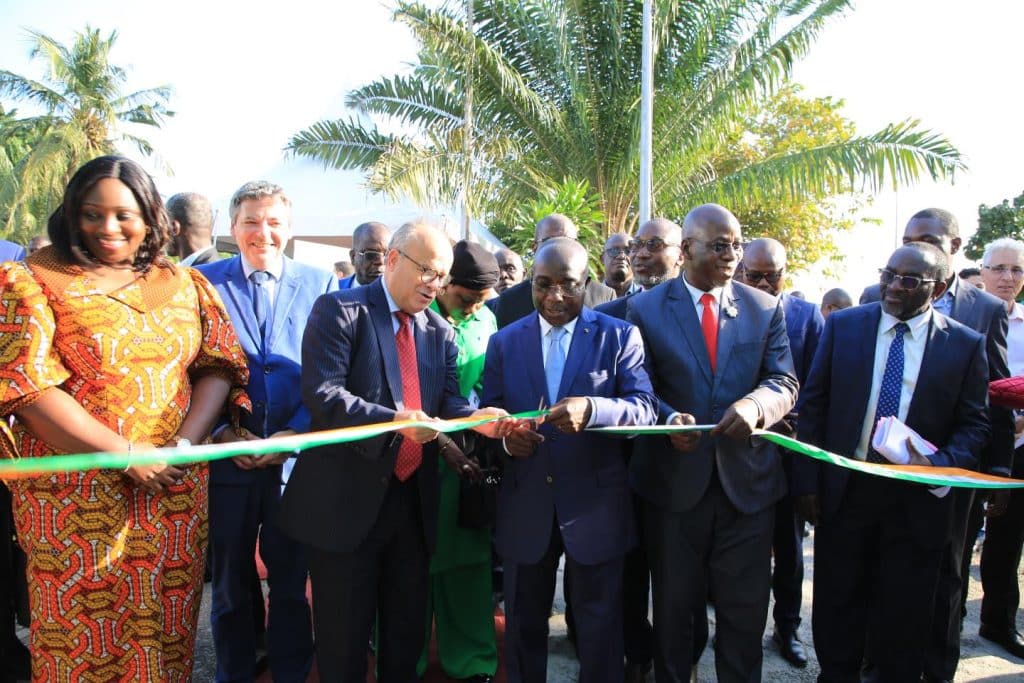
517 302
986 315
192 227
367 511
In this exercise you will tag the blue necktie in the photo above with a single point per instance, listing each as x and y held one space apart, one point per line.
261 300
892 384
555 364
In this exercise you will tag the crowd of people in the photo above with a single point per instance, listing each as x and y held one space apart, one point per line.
131 333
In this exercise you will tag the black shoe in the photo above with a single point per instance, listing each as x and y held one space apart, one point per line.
1010 639
790 647
637 673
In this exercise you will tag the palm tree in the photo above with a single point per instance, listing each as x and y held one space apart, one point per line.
556 93
84 115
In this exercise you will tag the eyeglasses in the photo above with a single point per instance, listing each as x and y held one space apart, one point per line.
371 254
427 275
653 245
567 290
1016 271
755 277
721 246
887 277
616 251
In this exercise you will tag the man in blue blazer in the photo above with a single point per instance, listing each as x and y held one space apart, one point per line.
245 491
369 244
366 511
879 542
564 491
986 315
717 353
764 268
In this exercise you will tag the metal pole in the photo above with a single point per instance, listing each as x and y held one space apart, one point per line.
646 113
467 129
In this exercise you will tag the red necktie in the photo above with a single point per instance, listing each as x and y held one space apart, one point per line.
709 326
410 453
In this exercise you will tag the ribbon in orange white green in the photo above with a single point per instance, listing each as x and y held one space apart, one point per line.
931 476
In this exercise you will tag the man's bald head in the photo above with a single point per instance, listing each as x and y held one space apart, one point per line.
711 246
551 226
764 264
835 300
563 253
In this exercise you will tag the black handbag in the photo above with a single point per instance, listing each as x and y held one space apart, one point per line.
478 501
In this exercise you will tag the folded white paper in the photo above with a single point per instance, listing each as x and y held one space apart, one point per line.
890 440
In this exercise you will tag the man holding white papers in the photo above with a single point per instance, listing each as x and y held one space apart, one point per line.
879 542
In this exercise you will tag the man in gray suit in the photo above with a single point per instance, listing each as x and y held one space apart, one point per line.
717 353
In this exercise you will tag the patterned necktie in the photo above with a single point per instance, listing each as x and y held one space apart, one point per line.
892 385
261 300
555 363
410 453
709 326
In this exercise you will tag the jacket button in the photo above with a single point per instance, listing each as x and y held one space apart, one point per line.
266 370
550 479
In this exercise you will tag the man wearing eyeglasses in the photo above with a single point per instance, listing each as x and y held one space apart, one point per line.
566 490
656 257
880 543
764 268
369 244
1003 273
986 315
366 511
517 302
718 355
618 274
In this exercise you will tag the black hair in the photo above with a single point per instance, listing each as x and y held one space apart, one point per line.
969 272
63 225
942 217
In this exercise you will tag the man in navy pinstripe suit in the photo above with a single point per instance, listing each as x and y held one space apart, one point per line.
367 511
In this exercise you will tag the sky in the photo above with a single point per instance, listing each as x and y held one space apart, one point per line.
246 76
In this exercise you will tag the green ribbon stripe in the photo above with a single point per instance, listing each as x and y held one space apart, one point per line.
944 476
194 454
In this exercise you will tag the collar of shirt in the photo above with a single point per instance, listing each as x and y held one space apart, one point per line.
918 324
275 270
191 258
393 307
945 302
545 327
1016 312
696 294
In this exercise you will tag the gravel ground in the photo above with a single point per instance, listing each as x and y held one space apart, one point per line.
980 661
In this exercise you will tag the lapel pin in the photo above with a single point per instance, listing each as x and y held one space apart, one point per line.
731 311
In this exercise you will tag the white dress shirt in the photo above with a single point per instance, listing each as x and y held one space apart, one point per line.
275 271
696 294
914 342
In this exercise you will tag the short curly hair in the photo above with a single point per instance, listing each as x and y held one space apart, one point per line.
63 225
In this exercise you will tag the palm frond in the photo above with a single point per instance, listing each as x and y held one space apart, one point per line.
340 144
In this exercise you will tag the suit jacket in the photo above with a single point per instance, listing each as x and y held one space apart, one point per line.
9 251
579 479
616 308
804 325
754 361
517 301
207 256
274 368
985 314
346 282
948 408
350 377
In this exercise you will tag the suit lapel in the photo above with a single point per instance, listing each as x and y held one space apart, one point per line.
859 365
423 338
728 327
684 315
238 289
531 343
580 348
934 350
287 288
382 324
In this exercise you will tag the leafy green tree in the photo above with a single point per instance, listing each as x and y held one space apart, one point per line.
85 114
556 92
1005 219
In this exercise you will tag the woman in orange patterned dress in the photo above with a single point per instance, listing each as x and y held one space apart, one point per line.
107 346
